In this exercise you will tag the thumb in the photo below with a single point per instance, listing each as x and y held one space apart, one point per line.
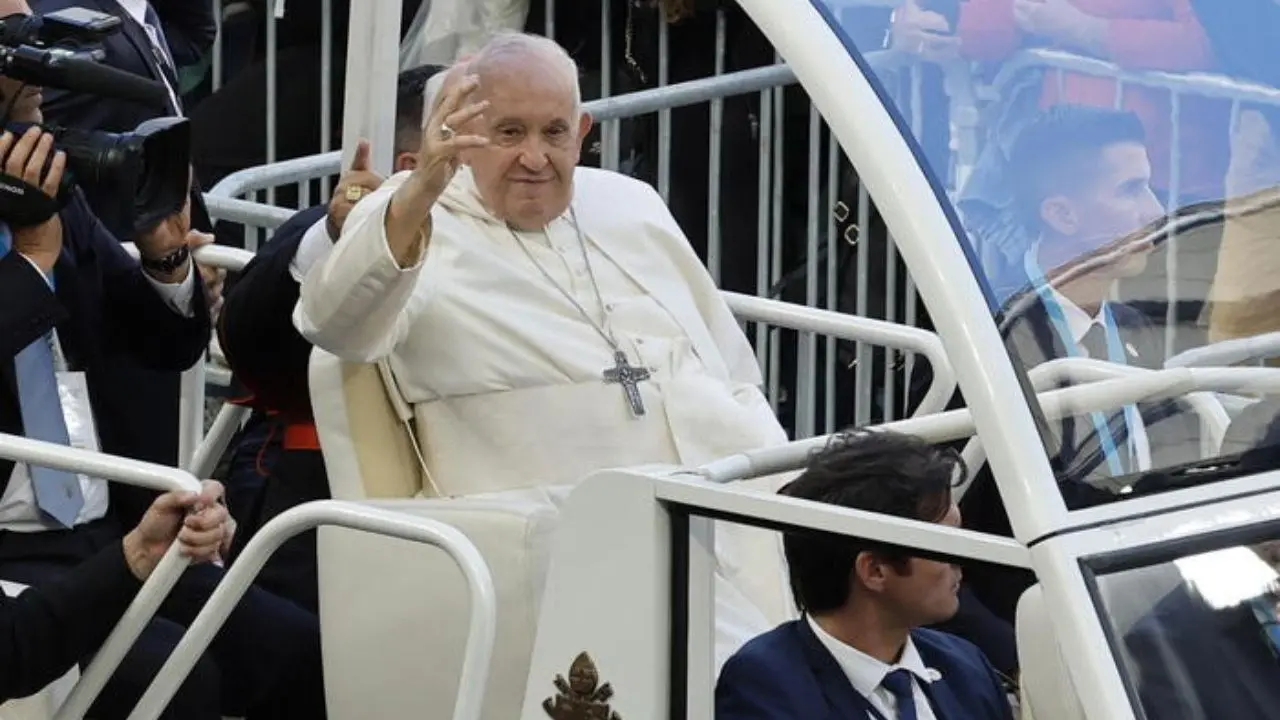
197 239
174 501
361 159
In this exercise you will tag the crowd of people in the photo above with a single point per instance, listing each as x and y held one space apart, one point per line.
502 280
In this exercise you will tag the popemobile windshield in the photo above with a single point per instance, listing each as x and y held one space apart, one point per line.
1113 183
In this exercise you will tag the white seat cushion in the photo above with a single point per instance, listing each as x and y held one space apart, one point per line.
395 613
1046 687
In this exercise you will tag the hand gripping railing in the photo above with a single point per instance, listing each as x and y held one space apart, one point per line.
163 578
480 640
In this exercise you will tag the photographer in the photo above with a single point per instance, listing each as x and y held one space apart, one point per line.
70 297
155 40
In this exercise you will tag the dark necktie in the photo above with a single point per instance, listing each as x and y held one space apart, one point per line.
57 491
1094 342
902 687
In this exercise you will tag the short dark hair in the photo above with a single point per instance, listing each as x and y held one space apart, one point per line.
876 471
410 86
1059 152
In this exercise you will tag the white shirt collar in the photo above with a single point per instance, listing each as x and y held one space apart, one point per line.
865 673
1077 319
137 9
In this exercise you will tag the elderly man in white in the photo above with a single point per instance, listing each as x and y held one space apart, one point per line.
544 320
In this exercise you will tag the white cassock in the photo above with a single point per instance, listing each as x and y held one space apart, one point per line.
505 371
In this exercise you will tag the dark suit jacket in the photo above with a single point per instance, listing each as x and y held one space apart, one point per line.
269 356
104 306
787 674
44 632
1196 663
138 406
189 30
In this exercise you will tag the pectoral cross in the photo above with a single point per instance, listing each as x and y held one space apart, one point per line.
629 377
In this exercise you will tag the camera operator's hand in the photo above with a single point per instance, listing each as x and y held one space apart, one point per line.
25 158
352 185
165 240
214 278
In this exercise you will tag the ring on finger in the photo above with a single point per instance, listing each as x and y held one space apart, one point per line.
446 132
354 193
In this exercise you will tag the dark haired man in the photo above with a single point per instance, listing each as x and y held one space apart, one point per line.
860 650
278 462
1084 193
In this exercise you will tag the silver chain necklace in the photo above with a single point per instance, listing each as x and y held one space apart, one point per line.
623 372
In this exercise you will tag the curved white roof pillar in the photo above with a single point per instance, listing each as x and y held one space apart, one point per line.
373 62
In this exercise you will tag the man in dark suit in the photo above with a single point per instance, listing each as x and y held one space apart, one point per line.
1193 661
156 39
70 297
270 359
45 632
860 651
1083 193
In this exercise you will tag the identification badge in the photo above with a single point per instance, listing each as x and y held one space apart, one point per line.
73 392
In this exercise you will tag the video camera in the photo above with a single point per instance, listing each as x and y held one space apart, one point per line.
147 169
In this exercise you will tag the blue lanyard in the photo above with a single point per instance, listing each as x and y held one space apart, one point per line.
1115 353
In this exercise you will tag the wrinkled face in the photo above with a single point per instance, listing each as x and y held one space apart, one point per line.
921 592
27 106
525 174
1117 201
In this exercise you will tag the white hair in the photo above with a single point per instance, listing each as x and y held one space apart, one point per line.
431 93
517 44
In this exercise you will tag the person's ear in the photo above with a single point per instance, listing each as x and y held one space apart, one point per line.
585 122
870 571
406 161
1059 215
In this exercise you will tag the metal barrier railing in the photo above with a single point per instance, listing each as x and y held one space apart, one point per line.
1179 86
157 586
874 398
483 617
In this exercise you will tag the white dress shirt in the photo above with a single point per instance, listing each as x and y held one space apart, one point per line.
1079 323
865 673
314 247
18 509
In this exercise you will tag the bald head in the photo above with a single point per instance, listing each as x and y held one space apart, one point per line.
535 125
531 57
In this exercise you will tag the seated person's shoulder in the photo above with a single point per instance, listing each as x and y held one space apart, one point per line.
959 654
763 672
762 655
598 184
952 646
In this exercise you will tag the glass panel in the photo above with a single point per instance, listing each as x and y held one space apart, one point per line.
1116 170
1197 637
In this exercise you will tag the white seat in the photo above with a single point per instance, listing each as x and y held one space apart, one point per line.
43 704
395 614
1047 691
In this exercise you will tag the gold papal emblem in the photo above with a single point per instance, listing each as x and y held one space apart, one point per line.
582 696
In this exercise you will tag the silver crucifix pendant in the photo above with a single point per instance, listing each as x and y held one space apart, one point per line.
629 377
